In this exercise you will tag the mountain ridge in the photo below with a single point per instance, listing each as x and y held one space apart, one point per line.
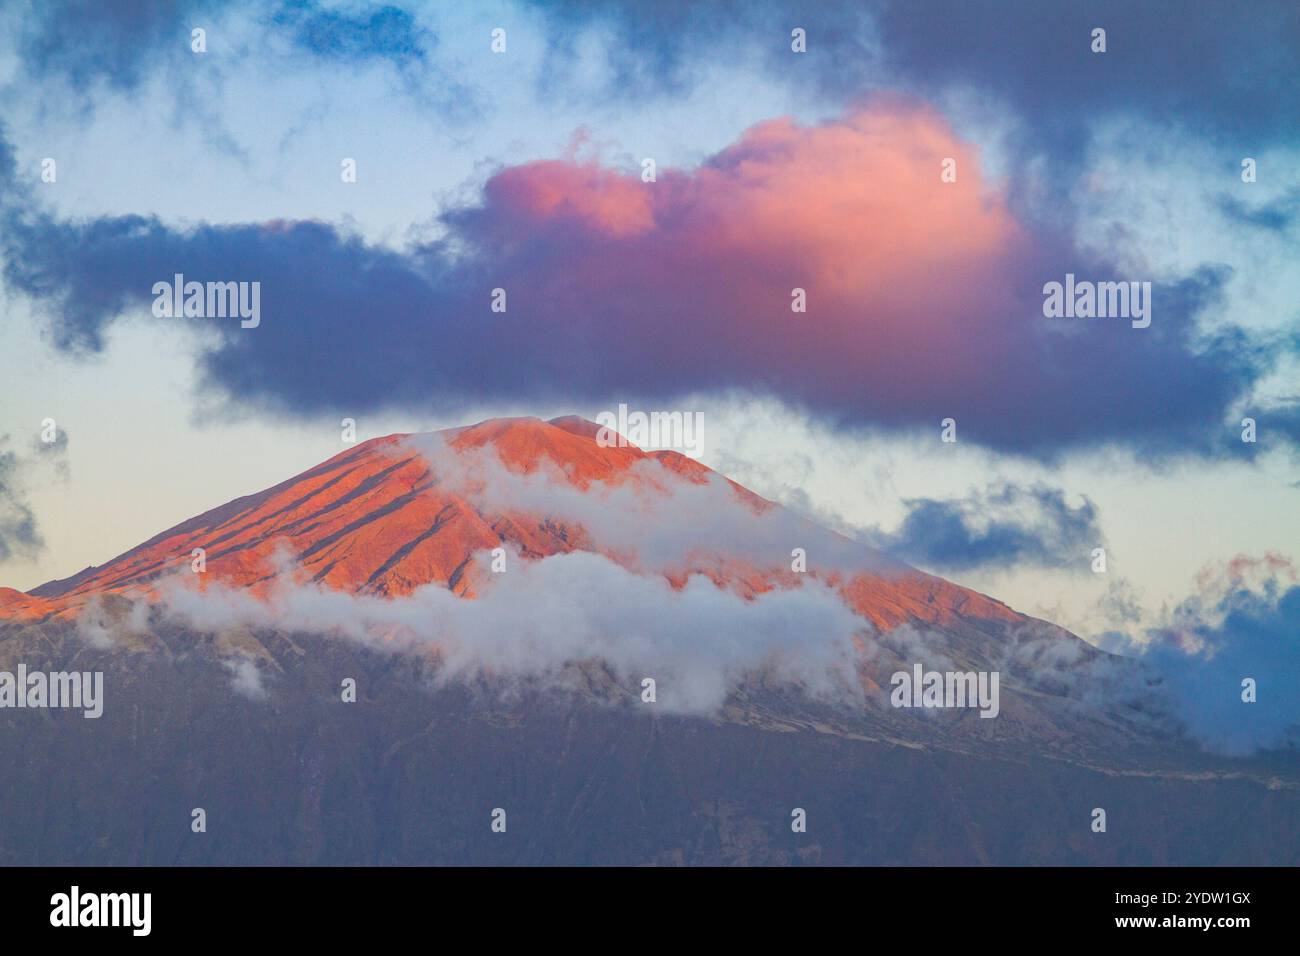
244 717
373 519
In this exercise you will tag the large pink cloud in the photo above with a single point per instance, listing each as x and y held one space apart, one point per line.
924 297
698 267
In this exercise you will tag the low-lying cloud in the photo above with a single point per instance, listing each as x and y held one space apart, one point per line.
648 515
698 642
640 611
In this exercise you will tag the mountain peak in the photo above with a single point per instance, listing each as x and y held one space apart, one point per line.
386 518
569 442
576 424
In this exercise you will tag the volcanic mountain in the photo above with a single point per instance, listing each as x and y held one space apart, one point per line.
246 720
404 512
378 518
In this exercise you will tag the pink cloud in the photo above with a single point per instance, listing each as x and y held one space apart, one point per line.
853 211
924 297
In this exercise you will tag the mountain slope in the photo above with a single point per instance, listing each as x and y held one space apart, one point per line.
378 519
397 514
247 721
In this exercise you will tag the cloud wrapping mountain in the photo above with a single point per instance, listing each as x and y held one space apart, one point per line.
515 553
531 624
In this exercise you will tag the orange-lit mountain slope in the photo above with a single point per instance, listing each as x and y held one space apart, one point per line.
379 518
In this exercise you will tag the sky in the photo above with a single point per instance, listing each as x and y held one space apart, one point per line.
522 168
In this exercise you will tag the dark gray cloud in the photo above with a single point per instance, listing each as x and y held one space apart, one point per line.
1223 73
122 42
358 326
87 42
1243 624
1226 72
376 32
1277 215
53 454
81 47
1222 69
359 35
19 535
665 48
1000 527
1225 69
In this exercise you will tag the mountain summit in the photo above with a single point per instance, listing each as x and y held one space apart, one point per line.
328 685
382 518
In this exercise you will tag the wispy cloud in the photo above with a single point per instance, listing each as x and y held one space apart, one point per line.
19 534
531 624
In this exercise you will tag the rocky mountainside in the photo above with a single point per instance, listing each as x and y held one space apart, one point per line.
244 717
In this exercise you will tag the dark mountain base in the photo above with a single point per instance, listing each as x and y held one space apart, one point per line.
411 774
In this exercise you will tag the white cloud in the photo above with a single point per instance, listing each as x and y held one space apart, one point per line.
698 642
